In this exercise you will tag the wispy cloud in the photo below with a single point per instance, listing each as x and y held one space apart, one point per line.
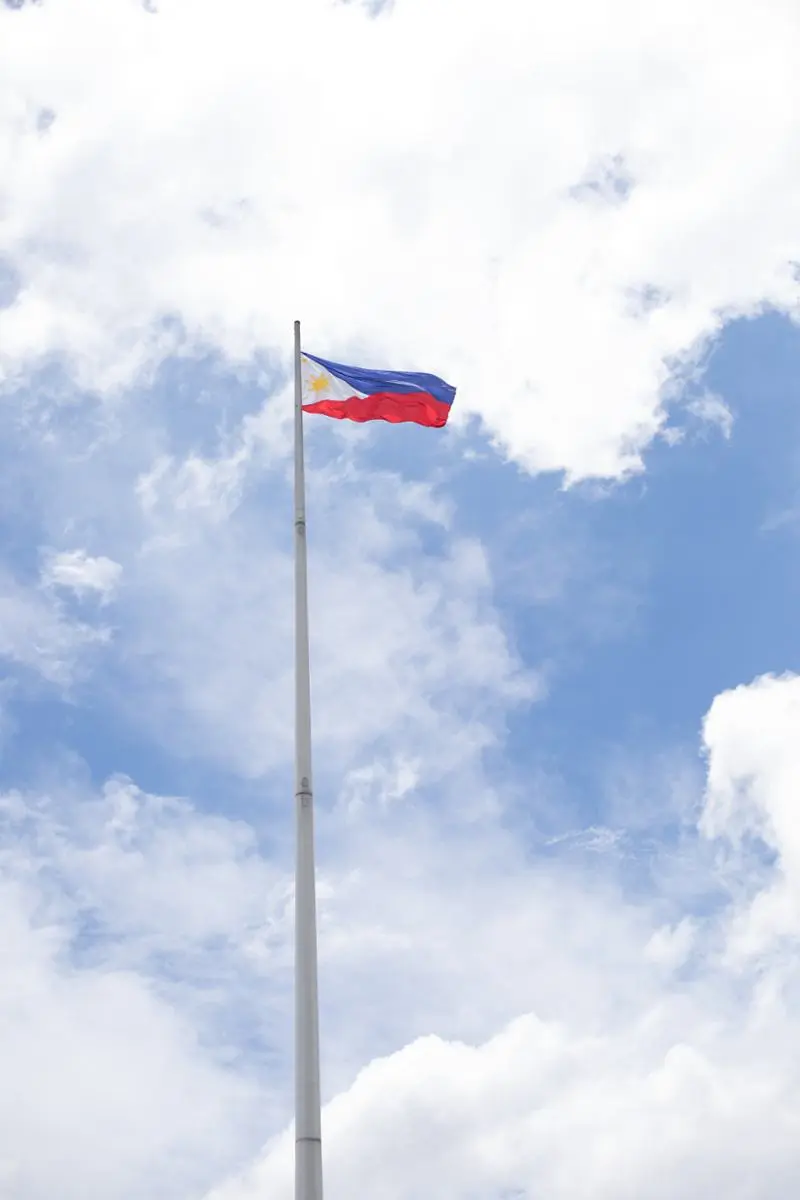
36 633
82 573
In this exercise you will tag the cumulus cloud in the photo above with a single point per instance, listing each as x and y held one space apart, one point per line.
568 206
537 1109
644 1061
750 735
108 1086
514 1002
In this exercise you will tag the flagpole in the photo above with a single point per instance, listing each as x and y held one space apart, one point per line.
308 1142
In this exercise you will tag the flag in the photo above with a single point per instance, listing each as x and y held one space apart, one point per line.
355 394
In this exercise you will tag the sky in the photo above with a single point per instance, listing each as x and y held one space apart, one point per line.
556 668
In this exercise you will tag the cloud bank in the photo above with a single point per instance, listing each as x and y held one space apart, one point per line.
559 215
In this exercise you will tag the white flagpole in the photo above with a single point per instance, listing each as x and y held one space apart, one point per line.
308 1143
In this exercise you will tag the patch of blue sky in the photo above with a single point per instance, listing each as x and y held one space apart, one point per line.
708 592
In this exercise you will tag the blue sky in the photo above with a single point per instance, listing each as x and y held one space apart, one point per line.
555 666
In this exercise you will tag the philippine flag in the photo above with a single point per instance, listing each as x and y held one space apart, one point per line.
353 394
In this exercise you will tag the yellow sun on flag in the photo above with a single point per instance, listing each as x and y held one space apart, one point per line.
319 382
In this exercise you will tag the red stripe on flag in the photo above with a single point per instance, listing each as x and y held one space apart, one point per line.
419 407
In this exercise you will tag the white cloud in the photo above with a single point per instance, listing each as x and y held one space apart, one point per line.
753 749
714 410
555 219
152 869
409 651
82 573
537 1110
109 1086
35 632
647 1063
539 1007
